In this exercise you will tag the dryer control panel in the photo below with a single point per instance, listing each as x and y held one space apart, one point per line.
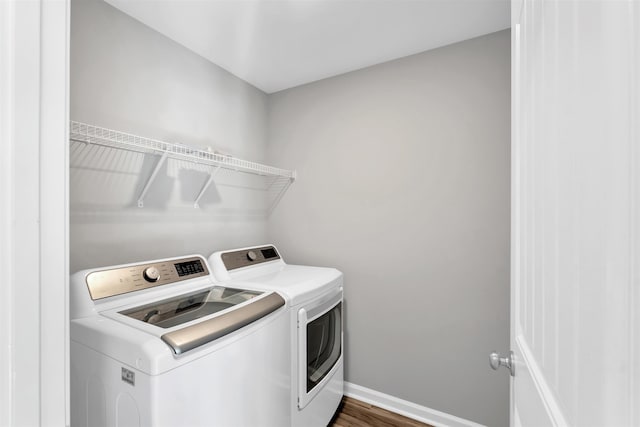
247 257
117 281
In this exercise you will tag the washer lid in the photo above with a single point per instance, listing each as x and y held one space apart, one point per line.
184 308
187 308
193 336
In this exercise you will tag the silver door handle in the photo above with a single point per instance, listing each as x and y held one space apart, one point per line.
495 361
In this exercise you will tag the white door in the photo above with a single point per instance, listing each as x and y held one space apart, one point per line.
576 213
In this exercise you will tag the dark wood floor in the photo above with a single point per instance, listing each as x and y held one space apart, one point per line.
354 413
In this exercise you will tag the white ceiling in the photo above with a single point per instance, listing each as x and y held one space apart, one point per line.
278 44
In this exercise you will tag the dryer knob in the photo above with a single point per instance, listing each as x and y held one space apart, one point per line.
151 274
252 256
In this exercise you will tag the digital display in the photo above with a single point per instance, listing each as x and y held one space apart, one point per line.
269 253
189 267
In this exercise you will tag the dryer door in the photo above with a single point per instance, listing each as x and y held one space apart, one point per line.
319 346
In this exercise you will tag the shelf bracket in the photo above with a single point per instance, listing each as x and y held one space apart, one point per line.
152 177
196 204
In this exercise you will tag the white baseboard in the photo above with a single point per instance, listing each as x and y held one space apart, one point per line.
406 408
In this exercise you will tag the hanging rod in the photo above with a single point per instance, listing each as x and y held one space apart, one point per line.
90 134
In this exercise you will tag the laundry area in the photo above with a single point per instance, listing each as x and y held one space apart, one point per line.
247 252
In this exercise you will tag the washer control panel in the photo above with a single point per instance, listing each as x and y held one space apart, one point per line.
117 281
247 257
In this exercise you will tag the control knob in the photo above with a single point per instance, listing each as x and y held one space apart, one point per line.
151 274
252 256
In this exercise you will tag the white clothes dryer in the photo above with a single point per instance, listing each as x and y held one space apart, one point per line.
159 343
314 295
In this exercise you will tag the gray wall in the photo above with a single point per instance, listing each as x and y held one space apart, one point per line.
128 77
404 185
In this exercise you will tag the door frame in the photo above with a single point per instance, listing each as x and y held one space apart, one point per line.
34 94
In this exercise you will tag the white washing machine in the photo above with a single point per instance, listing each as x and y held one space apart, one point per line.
314 295
159 343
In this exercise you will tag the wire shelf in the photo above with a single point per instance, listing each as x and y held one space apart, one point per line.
90 134
279 179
